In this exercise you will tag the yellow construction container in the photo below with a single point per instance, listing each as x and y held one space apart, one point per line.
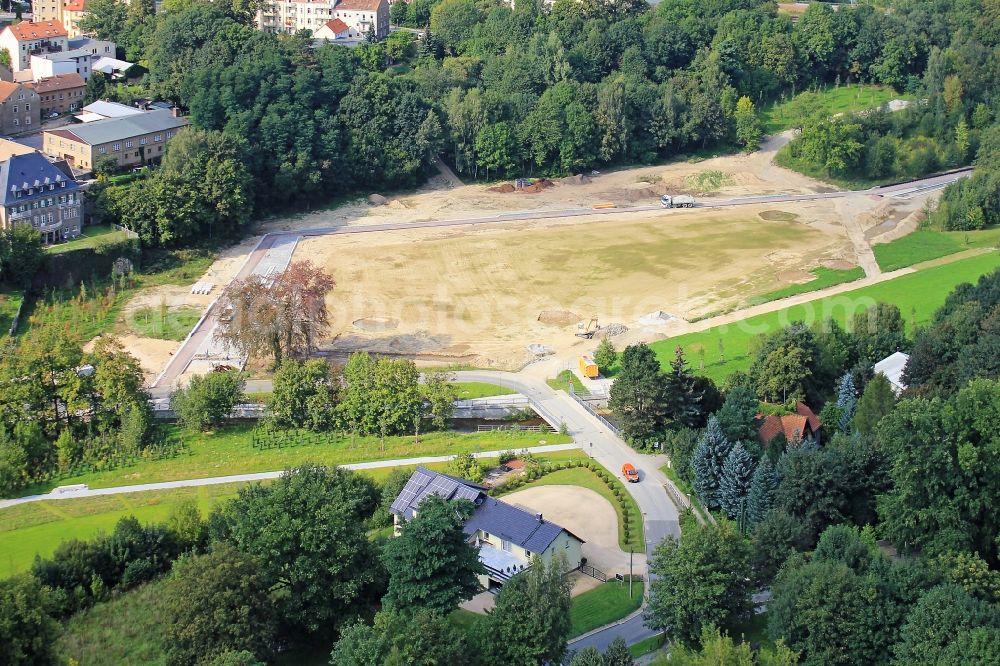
589 368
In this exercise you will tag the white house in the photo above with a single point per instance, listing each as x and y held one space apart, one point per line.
360 16
892 367
26 39
506 536
79 55
333 30
290 16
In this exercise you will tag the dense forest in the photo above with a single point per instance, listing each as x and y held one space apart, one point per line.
500 91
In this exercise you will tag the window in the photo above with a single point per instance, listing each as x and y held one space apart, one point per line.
486 535
27 121
116 147
102 150
15 109
505 545
142 141
16 121
27 107
157 137
128 144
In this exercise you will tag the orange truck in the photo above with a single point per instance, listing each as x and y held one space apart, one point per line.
588 368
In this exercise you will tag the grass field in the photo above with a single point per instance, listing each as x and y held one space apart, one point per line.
845 99
150 322
230 451
928 244
10 301
565 379
824 277
470 390
89 237
37 528
585 478
648 645
917 295
602 605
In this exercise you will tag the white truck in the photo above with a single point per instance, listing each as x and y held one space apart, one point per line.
679 201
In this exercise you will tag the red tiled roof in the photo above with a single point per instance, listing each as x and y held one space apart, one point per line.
802 409
58 82
793 426
26 30
359 5
75 5
336 26
7 89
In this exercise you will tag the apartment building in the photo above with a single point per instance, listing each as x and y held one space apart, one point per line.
358 16
132 140
59 93
27 38
20 108
67 12
37 192
81 56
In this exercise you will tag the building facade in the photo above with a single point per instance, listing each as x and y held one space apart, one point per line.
40 193
133 140
27 38
358 16
67 12
60 93
79 56
20 108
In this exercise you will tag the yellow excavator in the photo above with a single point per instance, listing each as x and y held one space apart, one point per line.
589 329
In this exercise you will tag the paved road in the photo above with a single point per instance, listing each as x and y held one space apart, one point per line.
238 478
257 259
660 516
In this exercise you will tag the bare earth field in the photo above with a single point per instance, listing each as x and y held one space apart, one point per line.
481 295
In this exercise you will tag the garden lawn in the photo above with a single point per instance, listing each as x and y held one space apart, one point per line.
565 379
89 237
470 390
928 244
824 277
585 478
37 528
917 295
648 645
231 451
10 301
603 605
844 99
150 323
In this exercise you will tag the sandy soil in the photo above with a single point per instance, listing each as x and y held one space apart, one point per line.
482 295
152 353
587 515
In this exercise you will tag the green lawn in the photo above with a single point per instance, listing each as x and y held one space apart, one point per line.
175 324
602 605
470 390
648 645
564 379
89 237
917 295
10 301
37 528
824 277
781 115
581 476
230 451
928 244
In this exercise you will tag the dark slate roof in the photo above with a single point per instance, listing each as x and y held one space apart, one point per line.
31 170
423 483
506 521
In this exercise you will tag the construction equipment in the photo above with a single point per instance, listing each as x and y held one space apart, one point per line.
587 330
588 368
680 201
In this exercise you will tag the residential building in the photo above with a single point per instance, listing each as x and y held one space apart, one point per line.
80 56
506 536
59 93
10 148
20 109
132 140
101 110
314 15
799 427
37 192
67 12
25 39
331 30
892 367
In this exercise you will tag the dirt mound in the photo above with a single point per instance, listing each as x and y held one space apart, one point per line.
377 199
839 264
795 277
506 188
397 205
611 330
376 324
579 179
558 317
539 349
537 186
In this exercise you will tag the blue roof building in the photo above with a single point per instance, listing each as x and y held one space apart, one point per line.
507 536
41 193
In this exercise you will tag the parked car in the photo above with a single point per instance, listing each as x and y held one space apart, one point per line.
630 473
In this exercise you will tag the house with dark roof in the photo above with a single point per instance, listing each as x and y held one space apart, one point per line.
40 193
801 426
20 108
506 536
59 93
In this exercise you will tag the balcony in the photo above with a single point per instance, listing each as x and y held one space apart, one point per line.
20 216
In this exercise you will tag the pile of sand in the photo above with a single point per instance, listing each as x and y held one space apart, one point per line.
506 188
537 186
558 317
375 324
579 179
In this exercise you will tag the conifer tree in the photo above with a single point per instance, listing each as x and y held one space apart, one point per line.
761 496
847 401
681 397
734 486
709 458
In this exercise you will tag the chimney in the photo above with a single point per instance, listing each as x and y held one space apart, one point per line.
539 517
